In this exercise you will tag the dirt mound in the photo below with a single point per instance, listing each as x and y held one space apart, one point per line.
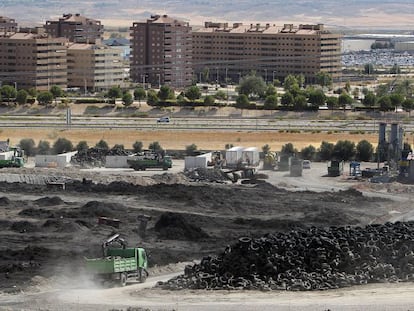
49 201
175 226
36 212
4 201
96 209
24 226
63 225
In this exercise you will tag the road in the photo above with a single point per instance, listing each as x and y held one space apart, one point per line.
196 123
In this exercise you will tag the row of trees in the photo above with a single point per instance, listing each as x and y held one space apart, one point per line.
62 145
342 150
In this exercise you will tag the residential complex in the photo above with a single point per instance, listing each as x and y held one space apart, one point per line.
33 60
7 25
76 28
161 52
94 67
164 51
222 52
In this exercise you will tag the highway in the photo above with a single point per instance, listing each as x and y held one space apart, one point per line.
198 123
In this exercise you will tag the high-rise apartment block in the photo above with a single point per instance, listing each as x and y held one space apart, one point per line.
76 28
94 67
229 52
7 25
161 52
33 60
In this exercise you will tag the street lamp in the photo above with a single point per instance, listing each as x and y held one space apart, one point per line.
265 75
143 81
273 76
217 77
15 86
239 77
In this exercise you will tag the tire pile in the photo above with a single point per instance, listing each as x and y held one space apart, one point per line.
307 259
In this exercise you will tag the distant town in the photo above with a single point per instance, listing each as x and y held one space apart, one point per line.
74 52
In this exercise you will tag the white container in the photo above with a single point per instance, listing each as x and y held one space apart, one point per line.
251 156
234 156
191 162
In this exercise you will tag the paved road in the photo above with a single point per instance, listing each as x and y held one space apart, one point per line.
195 123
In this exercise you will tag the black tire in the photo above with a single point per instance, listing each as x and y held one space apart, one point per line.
143 274
123 279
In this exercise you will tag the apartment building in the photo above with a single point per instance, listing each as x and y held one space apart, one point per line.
33 60
227 52
76 28
161 52
94 67
7 25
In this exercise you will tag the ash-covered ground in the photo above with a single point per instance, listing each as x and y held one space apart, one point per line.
47 231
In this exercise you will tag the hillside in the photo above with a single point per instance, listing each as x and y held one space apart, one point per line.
383 14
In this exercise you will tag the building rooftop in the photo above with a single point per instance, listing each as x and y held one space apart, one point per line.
76 18
210 27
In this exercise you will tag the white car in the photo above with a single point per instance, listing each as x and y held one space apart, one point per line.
306 164
163 120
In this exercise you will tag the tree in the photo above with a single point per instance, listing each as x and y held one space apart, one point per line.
300 102
62 145
115 92
344 150
8 92
190 149
270 90
396 100
324 79
287 100
408 105
43 147
28 145
209 100
252 86
332 102
127 99
384 103
364 151
137 146
102 145
326 151
156 147
242 101
344 100
381 90
56 91
288 149
82 146
317 98
21 97
308 153
370 100
152 98
301 80
355 93
165 93
290 82
139 93
220 95
193 92
266 149
270 102
44 98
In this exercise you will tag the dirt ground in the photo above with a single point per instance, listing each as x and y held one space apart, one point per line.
46 233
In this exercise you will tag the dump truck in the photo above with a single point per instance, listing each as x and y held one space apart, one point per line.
335 168
141 163
118 264
12 158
